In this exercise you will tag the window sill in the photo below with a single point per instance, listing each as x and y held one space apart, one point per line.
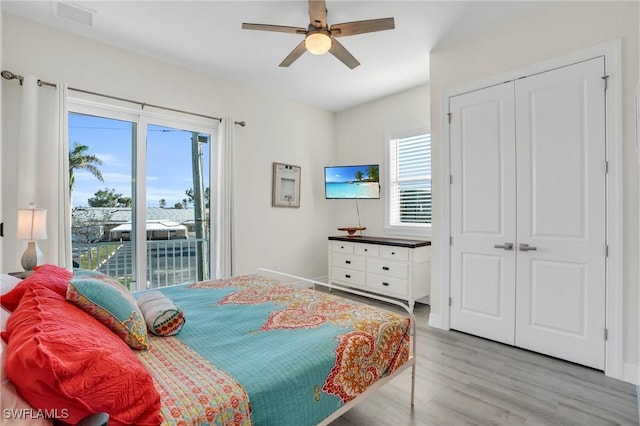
412 231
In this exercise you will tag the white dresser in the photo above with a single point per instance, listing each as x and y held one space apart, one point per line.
391 267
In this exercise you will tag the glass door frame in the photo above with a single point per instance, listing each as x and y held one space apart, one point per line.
182 122
142 118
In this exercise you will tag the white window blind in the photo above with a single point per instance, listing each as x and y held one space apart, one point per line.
410 180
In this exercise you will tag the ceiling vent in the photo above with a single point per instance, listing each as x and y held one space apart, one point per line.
74 13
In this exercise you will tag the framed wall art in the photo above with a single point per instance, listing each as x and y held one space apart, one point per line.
286 185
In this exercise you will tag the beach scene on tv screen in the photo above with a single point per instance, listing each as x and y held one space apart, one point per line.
352 182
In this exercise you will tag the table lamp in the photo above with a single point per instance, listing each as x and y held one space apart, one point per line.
32 226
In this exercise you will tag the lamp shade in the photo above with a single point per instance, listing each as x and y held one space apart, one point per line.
318 43
32 224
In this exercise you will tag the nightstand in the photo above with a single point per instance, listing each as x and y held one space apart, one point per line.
20 274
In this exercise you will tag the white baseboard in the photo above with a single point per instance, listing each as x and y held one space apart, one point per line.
322 279
435 321
631 373
305 284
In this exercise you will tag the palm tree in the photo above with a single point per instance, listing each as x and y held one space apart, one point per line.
373 174
79 159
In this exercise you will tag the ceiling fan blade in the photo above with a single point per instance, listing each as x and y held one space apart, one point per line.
276 28
362 27
343 54
318 13
295 54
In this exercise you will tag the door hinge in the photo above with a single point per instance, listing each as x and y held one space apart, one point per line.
450 241
606 250
606 82
449 114
450 301
606 167
450 179
606 334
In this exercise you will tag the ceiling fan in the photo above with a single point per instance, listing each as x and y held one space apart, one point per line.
320 38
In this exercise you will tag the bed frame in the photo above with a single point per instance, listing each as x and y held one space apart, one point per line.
411 362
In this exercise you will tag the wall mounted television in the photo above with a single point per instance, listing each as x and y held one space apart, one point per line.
352 182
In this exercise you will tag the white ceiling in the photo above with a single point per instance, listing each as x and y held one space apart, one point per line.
207 36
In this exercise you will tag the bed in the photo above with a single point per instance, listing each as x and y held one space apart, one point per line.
264 349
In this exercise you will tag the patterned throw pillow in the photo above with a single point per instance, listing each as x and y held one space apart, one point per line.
163 317
110 303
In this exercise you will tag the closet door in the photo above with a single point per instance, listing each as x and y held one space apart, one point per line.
560 293
483 213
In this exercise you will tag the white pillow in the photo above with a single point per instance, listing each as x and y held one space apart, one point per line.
4 317
7 283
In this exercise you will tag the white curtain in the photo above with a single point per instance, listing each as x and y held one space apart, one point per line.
41 175
225 262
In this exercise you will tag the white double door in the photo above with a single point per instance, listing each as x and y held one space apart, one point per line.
528 202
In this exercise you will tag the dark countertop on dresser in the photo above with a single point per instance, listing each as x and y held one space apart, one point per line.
384 241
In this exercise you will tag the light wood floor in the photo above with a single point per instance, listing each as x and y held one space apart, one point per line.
466 380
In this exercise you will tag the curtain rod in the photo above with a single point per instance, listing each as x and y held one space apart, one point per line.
11 76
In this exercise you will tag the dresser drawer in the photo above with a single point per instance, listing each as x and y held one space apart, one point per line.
395 253
367 250
348 261
388 268
348 276
342 246
388 285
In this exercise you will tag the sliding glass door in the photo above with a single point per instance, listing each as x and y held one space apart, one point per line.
177 200
140 210
101 184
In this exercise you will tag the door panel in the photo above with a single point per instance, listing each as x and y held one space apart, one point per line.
177 239
482 293
560 290
558 308
483 213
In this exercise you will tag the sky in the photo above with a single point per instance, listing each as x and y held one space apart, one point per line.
344 173
169 168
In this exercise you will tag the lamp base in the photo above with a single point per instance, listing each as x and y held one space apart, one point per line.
31 257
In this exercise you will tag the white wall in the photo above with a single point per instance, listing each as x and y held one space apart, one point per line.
360 139
277 130
553 31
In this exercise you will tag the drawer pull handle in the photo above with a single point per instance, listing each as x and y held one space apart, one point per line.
347 276
366 249
341 247
348 262
385 284
393 253
385 268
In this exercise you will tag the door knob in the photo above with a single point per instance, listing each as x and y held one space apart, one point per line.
527 247
506 246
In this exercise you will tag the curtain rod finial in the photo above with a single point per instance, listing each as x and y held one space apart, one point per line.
240 123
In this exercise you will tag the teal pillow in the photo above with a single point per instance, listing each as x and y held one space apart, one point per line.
110 303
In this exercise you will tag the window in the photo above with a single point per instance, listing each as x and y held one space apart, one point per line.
140 211
409 183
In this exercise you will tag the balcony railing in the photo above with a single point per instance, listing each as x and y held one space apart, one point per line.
168 261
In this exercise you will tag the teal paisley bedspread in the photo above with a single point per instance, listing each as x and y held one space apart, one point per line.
299 354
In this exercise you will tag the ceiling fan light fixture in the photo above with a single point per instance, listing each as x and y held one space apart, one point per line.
318 42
